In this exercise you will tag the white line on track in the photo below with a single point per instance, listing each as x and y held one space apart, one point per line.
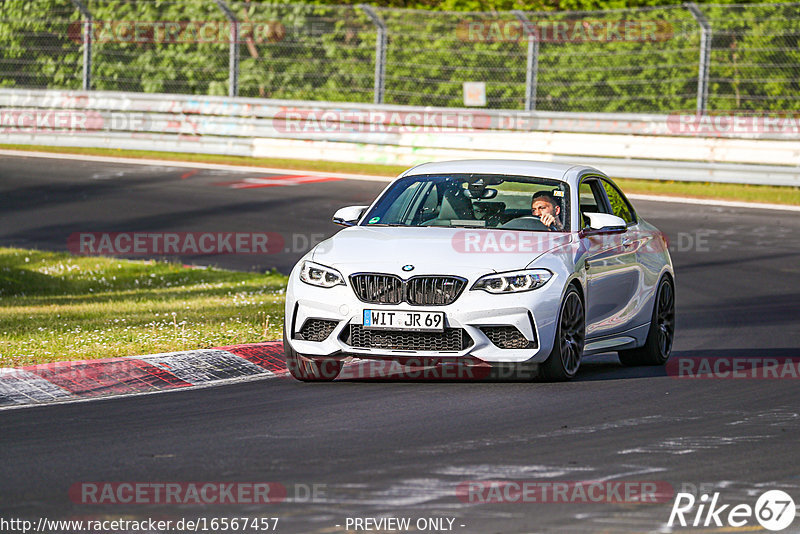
710 202
191 165
362 177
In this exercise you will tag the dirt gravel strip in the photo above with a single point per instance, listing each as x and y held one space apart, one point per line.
68 381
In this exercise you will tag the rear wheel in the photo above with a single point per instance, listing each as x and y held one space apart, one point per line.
565 358
657 347
309 369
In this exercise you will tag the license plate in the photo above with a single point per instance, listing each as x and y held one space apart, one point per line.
404 320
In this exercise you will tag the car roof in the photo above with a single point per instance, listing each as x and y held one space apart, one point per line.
540 169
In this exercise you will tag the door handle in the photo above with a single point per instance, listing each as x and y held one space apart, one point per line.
626 242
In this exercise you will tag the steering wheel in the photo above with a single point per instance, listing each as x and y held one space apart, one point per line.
551 227
529 222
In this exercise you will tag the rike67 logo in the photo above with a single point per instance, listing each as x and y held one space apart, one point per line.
774 510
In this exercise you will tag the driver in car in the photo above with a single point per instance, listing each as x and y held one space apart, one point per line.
545 206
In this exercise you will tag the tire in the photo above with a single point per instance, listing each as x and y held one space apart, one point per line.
564 360
307 369
657 347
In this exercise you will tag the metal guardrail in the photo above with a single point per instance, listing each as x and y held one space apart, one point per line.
376 116
704 57
625 145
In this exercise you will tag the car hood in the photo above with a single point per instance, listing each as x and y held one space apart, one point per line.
434 250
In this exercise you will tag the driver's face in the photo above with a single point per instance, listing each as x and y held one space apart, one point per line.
542 207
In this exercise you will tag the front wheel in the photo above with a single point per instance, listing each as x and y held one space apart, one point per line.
309 369
565 358
658 346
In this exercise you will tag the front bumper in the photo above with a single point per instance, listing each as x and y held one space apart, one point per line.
533 313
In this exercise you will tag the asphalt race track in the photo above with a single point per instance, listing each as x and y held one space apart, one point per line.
402 448
45 201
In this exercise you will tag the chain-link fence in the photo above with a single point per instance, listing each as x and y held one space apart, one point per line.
662 59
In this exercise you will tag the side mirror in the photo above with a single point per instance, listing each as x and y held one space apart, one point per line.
349 216
604 223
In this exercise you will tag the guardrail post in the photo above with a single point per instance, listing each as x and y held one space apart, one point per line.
233 53
532 65
380 52
87 44
705 57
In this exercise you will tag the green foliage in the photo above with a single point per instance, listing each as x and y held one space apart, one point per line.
526 5
36 49
154 65
325 52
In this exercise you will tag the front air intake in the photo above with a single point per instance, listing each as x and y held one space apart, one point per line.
449 340
433 290
507 337
316 330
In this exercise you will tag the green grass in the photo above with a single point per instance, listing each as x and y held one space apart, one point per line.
59 307
740 192
279 163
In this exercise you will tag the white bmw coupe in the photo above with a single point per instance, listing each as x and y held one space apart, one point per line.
517 264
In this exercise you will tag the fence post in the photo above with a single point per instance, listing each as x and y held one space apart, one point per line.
532 65
380 52
233 54
87 44
705 57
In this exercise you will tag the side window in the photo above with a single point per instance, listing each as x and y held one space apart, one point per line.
619 206
402 207
430 205
590 195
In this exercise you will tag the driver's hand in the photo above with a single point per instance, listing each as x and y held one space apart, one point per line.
548 220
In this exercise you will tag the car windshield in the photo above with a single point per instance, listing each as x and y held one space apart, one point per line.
472 201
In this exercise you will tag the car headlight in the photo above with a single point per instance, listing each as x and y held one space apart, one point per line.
319 275
513 282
